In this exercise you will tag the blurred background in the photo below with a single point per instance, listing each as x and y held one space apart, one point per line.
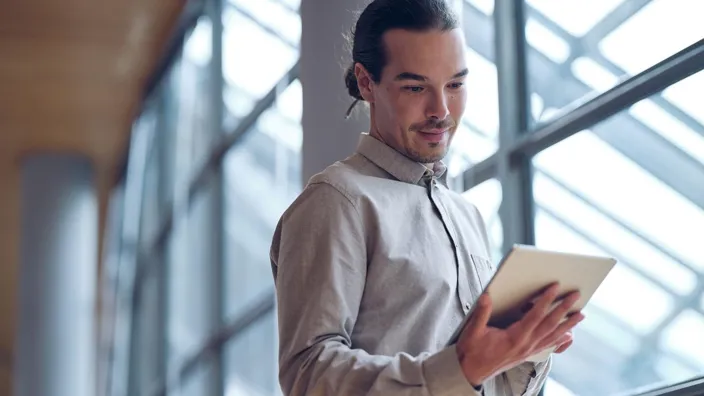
148 148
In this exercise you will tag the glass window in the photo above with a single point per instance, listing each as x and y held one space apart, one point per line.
576 47
487 198
594 195
249 71
269 158
485 6
274 15
201 380
192 305
190 260
262 175
252 359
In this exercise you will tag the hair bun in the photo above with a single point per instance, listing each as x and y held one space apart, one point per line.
351 83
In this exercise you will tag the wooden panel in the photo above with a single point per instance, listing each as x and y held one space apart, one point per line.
74 71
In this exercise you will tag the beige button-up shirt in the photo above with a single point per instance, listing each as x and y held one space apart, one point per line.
376 263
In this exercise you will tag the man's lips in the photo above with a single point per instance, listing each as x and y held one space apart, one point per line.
434 131
433 135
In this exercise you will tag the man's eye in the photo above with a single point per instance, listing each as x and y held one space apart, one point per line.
456 85
414 89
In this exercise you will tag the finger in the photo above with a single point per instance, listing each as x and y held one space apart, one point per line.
563 339
564 346
480 317
536 314
564 327
553 319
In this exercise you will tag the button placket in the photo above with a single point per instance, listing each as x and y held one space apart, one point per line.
466 290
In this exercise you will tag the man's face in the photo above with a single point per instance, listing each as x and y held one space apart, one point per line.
419 101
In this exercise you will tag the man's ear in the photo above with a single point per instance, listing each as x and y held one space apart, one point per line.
364 82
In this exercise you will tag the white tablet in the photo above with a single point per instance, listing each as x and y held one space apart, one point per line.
525 271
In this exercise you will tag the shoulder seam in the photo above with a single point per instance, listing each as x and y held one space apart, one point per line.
342 192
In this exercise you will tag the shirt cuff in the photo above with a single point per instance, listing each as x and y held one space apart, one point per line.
444 375
525 375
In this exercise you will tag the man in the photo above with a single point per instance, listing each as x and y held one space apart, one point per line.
377 261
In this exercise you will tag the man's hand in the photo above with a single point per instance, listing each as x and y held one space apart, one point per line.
486 351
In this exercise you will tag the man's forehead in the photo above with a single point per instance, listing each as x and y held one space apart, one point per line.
427 52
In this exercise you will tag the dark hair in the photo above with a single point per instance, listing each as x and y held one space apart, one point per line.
381 16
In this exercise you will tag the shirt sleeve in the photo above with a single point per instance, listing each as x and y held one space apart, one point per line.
319 259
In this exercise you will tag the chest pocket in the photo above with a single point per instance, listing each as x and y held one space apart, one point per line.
485 269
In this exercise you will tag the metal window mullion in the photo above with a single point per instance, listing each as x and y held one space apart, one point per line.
214 9
514 172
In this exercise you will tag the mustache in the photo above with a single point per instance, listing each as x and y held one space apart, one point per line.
447 123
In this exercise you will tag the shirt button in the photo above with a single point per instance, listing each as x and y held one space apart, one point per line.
466 306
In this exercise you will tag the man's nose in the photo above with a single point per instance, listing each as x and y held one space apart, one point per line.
437 108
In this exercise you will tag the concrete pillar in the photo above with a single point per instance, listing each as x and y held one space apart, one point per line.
327 136
55 340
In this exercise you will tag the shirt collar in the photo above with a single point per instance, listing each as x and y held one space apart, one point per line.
397 164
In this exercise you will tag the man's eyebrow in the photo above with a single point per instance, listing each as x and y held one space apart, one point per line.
418 77
461 74
410 76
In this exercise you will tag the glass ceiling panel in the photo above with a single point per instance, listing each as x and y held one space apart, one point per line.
485 6
575 16
657 31
687 94
671 219
642 307
593 74
547 42
671 128
685 337
611 236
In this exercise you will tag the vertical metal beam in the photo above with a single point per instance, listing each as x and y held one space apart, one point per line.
164 166
118 379
516 210
214 9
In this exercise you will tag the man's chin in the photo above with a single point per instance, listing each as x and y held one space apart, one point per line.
427 158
